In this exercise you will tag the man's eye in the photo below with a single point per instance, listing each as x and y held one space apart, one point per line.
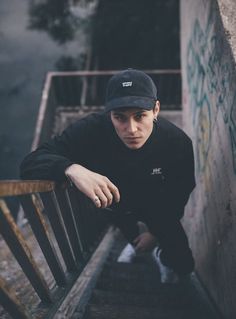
139 116
119 118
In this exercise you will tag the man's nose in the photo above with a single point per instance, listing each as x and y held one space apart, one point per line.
131 126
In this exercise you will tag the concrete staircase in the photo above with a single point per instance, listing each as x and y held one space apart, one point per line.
134 291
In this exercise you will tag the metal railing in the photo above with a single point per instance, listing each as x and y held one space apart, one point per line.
85 90
64 224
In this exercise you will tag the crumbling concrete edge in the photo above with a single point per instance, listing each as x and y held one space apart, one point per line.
227 10
75 303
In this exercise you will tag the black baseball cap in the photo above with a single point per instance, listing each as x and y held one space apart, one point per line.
130 88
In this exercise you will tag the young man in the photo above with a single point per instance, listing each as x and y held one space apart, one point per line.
132 161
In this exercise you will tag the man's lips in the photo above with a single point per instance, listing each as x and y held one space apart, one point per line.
132 139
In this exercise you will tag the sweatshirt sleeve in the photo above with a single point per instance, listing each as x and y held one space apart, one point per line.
50 160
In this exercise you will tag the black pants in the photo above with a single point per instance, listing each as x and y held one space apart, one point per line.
173 242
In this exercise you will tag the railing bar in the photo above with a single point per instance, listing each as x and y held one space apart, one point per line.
110 72
84 91
42 111
11 303
17 187
91 218
38 225
83 97
53 211
59 213
96 221
75 199
21 252
88 220
73 216
70 224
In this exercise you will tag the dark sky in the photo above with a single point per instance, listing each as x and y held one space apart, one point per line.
25 57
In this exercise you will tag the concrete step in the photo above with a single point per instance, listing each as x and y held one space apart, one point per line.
134 269
124 283
136 312
165 297
141 299
126 277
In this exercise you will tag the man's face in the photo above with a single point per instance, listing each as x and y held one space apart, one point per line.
134 125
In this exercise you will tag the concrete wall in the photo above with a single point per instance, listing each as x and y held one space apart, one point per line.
208 51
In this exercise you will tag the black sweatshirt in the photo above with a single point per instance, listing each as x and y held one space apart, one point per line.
154 181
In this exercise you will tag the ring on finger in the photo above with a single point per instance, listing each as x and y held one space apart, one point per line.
96 198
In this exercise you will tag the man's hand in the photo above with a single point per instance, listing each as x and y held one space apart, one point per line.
145 242
97 187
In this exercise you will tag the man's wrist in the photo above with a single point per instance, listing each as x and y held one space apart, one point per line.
68 174
68 170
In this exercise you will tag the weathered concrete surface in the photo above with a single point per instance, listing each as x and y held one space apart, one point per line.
227 12
209 114
134 291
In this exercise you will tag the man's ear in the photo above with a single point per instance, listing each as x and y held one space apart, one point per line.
156 109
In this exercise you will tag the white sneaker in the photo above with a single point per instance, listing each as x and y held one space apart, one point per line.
127 255
168 276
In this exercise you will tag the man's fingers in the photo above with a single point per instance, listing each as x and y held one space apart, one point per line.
103 198
108 195
136 240
110 191
139 247
115 192
96 201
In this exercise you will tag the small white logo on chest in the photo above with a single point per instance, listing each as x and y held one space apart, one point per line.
156 171
127 84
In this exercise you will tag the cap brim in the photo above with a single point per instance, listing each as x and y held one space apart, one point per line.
130 101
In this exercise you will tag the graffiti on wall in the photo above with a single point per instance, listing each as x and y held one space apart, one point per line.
232 129
211 82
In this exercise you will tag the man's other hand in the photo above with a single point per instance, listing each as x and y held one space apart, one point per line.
145 242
